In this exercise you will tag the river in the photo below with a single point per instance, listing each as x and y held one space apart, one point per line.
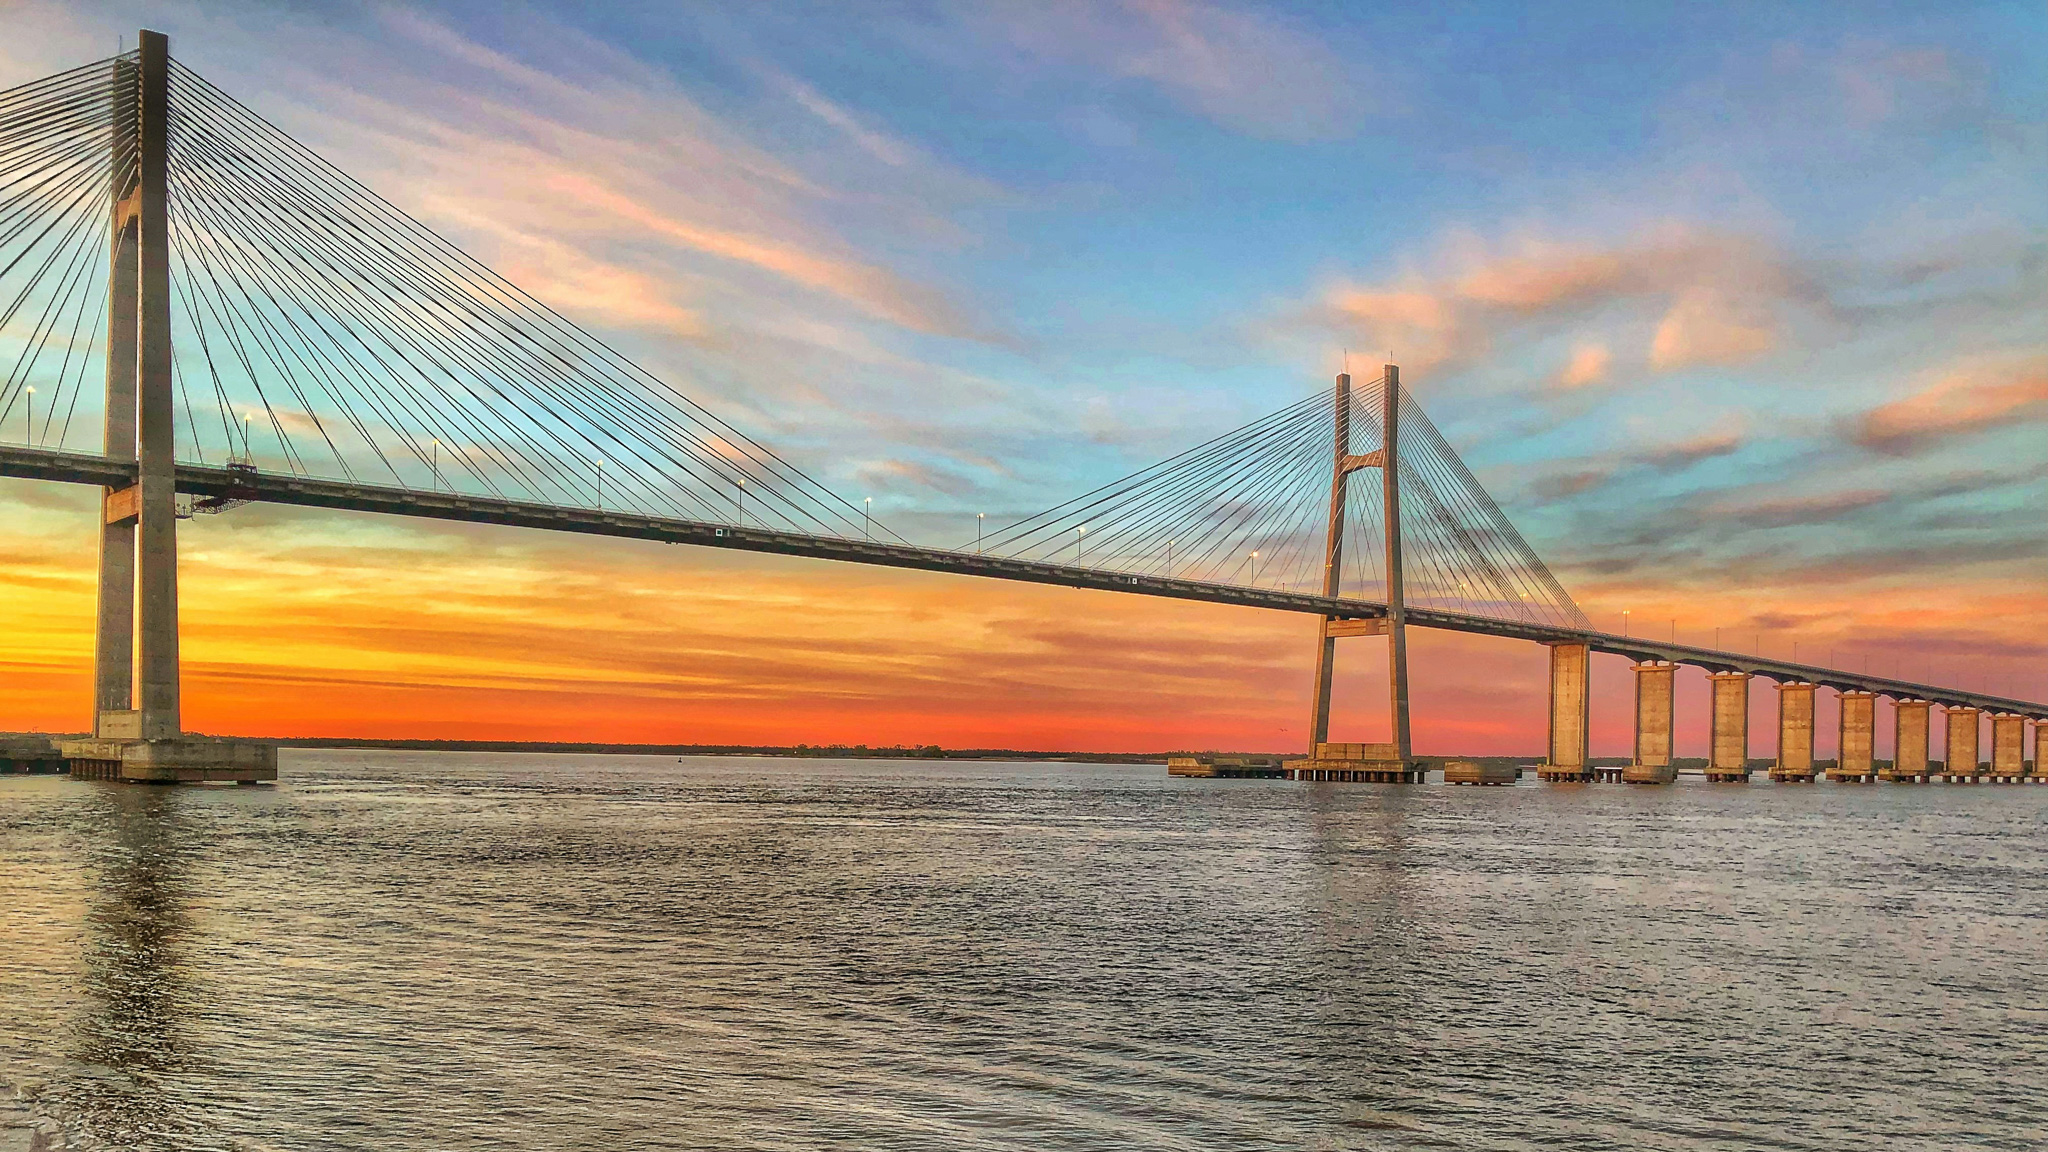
482 951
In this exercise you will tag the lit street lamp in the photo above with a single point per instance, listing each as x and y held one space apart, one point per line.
980 522
867 513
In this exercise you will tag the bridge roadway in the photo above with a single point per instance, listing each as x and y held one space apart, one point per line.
279 488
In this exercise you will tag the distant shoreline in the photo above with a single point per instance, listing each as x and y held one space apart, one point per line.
792 751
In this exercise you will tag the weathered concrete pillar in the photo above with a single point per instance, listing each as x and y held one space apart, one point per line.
1795 733
1909 743
114 633
1333 569
1570 714
1855 758
1652 763
1960 754
157 552
1728 729
1397 611
2008 736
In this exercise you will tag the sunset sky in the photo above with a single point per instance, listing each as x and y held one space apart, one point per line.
1739 311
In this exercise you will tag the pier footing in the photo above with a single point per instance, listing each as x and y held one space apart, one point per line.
180 760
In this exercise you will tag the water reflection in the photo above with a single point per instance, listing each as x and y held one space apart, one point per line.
130 1038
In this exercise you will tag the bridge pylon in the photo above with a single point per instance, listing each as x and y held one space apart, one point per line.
1394 624
136 649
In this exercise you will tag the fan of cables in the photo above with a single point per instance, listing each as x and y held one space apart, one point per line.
1252 507
319 330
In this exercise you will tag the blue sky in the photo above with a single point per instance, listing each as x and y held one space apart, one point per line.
1738 309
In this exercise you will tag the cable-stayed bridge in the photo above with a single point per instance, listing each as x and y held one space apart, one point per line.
197 312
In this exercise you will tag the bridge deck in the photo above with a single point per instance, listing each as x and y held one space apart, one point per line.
202 480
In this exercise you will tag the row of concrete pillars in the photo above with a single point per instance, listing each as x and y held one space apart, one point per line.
1728 731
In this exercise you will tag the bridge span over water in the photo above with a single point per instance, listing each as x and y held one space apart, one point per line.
244 322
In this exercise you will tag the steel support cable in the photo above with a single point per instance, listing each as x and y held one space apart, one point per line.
230 321
1203 481
303 345
1235 519
1473 531
67 244
509 296
1171 491
685 492
1188 463
73 347
187 289
73 189
1017 535
329 371
263 328
614 455
1560 600
1460 481
1222 532
1454 552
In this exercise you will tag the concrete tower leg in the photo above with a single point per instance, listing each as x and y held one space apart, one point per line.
114 715
1333 566
1795 734
157 552
1570 755
2008 736
1910 764
1855 757
1959 756
1653 763
1728 731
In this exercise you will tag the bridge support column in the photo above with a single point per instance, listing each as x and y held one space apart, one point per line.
157 527
136 707
1959 756
114 714
2008 748
1653 764
1795 733
1728 728
1855 753
1394 625
1909 744
1570 756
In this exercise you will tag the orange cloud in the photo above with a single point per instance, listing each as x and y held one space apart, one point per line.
1969 398
1722 299
1588 365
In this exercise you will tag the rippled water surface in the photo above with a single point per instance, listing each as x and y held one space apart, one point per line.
546 952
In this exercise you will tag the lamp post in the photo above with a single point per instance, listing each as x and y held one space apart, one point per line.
435 466
1169 559
600 483
741 517
1255 569
980 522
867 513
1624 621
29 434
1080 535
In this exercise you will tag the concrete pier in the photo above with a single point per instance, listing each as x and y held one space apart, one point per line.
1355 764
180 760
1728 730
1909 744
1226 767
1570 714
1474 772
2008 748
1795 734
1960 757
1855 758
1653 763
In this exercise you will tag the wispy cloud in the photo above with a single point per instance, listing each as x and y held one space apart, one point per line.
1984 392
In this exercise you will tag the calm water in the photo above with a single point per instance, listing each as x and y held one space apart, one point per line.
399 951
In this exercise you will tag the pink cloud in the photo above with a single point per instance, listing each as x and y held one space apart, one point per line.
1965 399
